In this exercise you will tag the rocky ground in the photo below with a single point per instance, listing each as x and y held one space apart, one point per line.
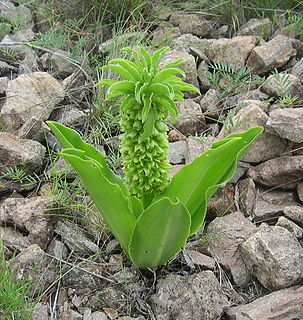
249 262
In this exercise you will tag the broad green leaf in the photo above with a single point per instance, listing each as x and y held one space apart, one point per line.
147 100
160 232
121 71
108 197
196 182
129 66
149 124
165 73
169 105
71 139
106 82
156 57
120 88
175 63
159 89
146 58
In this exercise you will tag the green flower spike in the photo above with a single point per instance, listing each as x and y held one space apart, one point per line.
149 95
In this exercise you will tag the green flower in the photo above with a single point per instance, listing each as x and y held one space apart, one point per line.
149 98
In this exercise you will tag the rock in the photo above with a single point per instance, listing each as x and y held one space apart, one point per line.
8 186
71 116
290 226
273 54
33 263
256 94
57 249
189 66
267 145
193 258
279 305
258 27
164 32
13 239
222 202
211 103
174 135
197 147
300 191
58 63
287 123
30 95
203 72
20 14
110 297
197 296
5 28
246 195
3 84
195 24
7 69
15 53
30 63
98 315
78 91
190 119
177 152
226 234
18 153
297 69
33 129
295 213
269 205
32 216
74 238
175 169
273 255
233 51
282 172
240 171
281 84
193 45
40 312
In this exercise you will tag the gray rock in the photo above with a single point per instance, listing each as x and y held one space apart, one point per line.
279 305
197 296
287 123
3 84
33 263
40 312
58 63
23 154
297 69
295 213
71 116
282 172
290 226
226 234
222 202
269 205
30 95
33 129
195 258
210 103
109 297
164 32
267 145
192 44
273 54
5 28
273 255
98 315
246 196
257 27
195 24
202 71
74 238
256 94
190 119
177 152
32 216
13 239
275 85
233 51
240 171
20 14
8 186
300 191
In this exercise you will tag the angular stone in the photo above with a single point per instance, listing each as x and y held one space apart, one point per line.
20 153
290 226
256 94
295 213
177 152
164 32
282 172
226 234
33 263
202 71
287 123
297 69
267 145
275 85
274 256
197 296
13 239
210 103
300 191
279 305
247 196
269 205
71 116
233 51
74 238
193 258
273 54
190 119
197 147
30 95
32 216
40 312
195 24
258 27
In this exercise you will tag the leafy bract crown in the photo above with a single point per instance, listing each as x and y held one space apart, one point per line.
149 98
